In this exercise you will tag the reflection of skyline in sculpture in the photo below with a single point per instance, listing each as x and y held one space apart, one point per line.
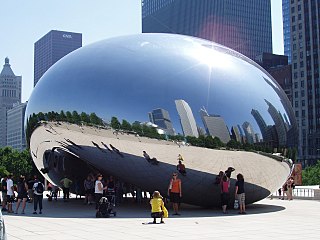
261 123
279 124
249 133
215 125
161 118
188 123
236 134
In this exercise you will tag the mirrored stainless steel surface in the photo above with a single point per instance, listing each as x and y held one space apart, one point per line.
100 107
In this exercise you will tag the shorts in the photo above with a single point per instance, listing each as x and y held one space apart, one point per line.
175 197
4 196
225 198
242 198
10 199
157 214
22 195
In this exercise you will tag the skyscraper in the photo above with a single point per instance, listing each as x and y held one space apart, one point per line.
10 93
215 125
52 47
286 28
244 26
161 118
305 47
249 133
15 126
188 123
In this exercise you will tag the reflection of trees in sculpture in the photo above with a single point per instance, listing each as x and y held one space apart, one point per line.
74 117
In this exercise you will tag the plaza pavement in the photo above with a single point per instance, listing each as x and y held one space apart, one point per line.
267 219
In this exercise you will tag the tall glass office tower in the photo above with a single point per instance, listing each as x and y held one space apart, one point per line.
286 28
244 26
52 47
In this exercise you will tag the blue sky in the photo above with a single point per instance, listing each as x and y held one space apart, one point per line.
24 22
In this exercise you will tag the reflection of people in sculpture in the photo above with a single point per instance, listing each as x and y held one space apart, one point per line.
180 158
149 159
229 171
175 192
181 168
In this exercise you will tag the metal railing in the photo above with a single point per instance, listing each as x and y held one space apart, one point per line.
298 192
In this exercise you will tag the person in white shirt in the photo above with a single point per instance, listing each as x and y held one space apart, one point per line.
98 190
10 193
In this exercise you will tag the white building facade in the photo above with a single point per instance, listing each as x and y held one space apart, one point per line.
187 120
10 93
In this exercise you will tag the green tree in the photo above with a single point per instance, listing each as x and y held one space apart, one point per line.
85 117
62 116
69 117
126 125
311 175
94 119
76 117
137 127
115 124
233 144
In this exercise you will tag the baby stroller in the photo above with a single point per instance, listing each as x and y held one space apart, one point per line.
105 209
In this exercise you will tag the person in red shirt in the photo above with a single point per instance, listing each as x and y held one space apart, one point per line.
225 196
175 192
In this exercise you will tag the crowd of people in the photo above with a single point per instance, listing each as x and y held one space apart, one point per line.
30 190
96 186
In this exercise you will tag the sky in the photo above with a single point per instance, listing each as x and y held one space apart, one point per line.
25 22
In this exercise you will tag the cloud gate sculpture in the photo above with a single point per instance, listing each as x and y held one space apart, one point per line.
100 107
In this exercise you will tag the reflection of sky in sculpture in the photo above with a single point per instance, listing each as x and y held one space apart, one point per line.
128 77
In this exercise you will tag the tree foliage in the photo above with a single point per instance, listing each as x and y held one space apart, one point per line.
311 175
15 162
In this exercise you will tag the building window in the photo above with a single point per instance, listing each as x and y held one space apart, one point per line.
293 28
296 94
302 93
293 19
295 66
296 104
296 85
302 84
302 74
297 113
303 103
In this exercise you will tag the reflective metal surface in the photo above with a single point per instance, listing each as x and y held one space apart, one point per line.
166 95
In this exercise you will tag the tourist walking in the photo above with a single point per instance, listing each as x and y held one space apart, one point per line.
4 193
10 193
175 192
225 196
240 193
38 189
157 207
66 183
22 188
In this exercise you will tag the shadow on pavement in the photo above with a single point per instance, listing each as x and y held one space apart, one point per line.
76 209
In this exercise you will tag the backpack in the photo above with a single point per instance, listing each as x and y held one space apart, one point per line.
39 188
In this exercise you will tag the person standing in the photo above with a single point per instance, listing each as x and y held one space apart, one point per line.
10 193
290 186
38 189
88 185
22 194
98 190
66 183
30 183
175 192
240 194
4 193
225 196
